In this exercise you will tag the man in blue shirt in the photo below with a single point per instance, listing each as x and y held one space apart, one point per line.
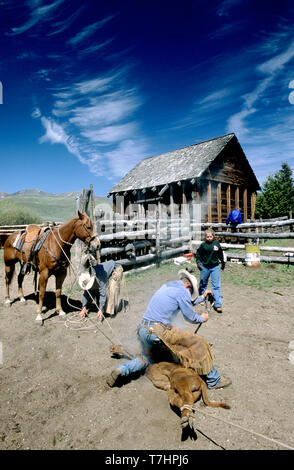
234 217
163 309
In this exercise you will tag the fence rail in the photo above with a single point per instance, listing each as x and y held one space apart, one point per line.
150 241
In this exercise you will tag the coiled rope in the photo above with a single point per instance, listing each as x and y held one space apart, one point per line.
67 321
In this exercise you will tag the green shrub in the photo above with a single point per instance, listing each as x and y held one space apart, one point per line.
11 214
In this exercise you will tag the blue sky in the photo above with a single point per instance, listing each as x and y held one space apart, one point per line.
90 88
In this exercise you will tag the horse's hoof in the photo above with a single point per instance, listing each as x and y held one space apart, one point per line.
39 320
62 313
23 300
7 303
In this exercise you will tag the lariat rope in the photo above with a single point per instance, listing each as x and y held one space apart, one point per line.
76 275
193 408
242 428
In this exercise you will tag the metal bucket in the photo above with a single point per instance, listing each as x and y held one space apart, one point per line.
252 256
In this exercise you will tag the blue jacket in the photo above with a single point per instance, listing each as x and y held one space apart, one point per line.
168 300
234 217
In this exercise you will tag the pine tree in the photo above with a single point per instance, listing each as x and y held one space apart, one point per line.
276 198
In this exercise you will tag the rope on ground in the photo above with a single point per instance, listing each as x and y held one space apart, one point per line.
244 429
93 300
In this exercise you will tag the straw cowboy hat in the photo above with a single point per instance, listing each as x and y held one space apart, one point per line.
183 273
86 281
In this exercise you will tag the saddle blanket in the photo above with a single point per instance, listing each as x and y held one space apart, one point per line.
20 246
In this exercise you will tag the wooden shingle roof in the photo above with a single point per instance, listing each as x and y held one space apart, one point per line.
187 162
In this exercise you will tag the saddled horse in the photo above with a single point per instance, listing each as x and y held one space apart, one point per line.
51 259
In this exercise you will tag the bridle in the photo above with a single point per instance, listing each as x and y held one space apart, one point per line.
90 236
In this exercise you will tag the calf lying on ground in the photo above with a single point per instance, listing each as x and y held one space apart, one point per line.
183 386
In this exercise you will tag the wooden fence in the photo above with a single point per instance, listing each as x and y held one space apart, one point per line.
144 242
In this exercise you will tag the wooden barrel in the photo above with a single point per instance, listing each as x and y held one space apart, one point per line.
252 255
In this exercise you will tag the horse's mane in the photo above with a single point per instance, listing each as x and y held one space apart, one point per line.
69 222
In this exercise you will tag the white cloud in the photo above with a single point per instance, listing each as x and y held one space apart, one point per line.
94 48
88 31
110 134
271 68
95 85
94 114
106 110
126 156
54 132
37 13
277 62
61 26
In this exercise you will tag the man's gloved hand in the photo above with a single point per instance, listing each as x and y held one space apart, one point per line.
223 266
199 265
207 293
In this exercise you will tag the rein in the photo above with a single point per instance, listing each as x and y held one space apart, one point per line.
63 241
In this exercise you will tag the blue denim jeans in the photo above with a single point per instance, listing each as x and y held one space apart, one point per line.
214 273
148 342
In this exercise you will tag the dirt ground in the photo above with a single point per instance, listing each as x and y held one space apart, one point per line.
53 378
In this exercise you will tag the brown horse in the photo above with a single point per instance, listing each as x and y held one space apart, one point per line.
52 258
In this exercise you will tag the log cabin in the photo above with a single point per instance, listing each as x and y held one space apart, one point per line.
214 175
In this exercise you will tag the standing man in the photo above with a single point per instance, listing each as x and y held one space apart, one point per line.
102 283
208 257
234 217
162 310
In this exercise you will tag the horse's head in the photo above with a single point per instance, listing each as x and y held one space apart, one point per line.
85 231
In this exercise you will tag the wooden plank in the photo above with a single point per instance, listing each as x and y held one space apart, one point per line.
172 204
209 214
245 207
228 199
253 203
268 259
237 197
251 234
231 246
219 202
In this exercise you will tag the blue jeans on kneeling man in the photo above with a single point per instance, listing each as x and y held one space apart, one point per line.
148 341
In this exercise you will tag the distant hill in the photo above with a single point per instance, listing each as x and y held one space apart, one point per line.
53 207
31 192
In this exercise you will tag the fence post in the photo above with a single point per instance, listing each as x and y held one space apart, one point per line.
157 239
82 203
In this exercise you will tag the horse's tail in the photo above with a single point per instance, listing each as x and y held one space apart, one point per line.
9 248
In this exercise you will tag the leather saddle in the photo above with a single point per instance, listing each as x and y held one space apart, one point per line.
29 242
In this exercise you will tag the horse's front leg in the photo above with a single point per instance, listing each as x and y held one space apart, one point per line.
20 291
60 276
9 271
43 279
